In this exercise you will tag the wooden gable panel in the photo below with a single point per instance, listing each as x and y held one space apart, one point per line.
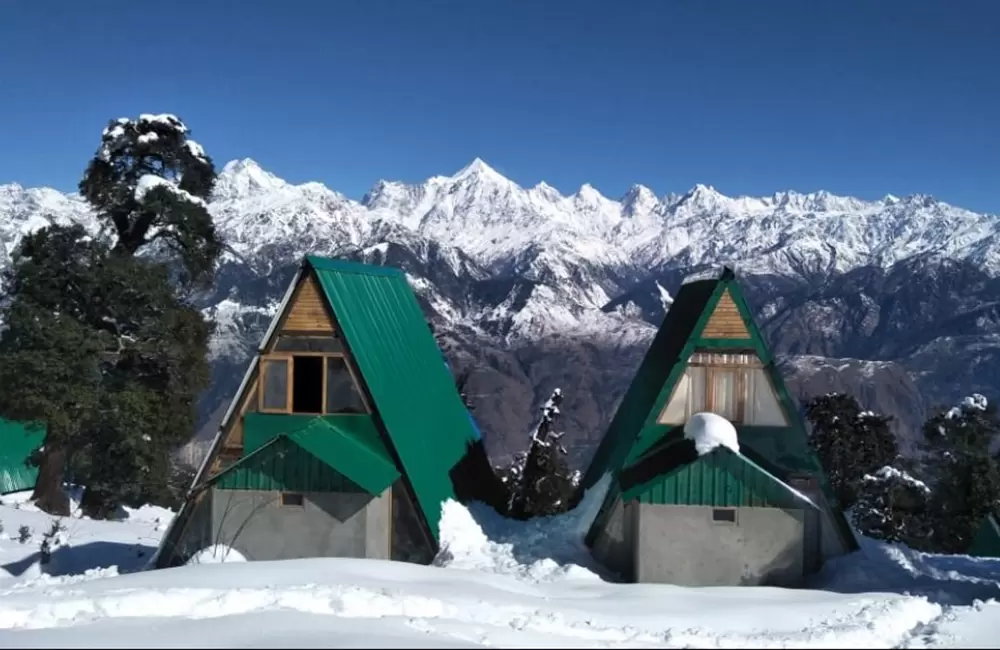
308 312
725 322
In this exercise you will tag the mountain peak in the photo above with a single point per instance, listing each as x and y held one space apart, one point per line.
245 177
478 169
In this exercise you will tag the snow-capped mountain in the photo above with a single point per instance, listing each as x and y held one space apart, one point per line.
539 289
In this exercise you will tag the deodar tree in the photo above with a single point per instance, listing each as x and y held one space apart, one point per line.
123 293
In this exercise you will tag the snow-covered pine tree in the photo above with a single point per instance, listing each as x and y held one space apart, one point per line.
850 442
893 506
540 481
964 475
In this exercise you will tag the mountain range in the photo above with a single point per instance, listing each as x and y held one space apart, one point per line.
894 300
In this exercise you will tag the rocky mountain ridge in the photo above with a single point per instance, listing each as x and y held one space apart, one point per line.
536 289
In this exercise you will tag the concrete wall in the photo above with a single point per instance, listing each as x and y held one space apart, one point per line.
325 525
831 543
682 545
614 544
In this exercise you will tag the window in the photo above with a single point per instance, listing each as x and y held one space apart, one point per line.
733 385
724 515
274 385
342 395
310 383
307 384
292 499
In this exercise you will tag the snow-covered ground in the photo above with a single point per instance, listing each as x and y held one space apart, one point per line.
496 583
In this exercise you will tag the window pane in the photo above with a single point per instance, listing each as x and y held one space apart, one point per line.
342 395
275 395
676 410
293 343
724 398
763 409
698 378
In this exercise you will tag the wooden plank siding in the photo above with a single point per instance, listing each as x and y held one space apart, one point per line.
308 311
726 322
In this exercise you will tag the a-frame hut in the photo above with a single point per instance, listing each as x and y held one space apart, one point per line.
345 437
763 516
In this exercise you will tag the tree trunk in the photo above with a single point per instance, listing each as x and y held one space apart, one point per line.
95 504
49 495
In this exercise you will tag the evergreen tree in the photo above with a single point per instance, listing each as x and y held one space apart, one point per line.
850 442
540 481
966 477
49 355
146 345
894 506
148 183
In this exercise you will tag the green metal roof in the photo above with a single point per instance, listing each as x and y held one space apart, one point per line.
18 441
414 393
312 457
677 475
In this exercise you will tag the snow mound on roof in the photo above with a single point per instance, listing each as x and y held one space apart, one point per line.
709 431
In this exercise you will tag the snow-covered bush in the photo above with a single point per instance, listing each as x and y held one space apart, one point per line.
893 506
850 442
960 470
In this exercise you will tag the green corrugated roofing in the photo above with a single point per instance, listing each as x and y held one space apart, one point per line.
18 440
677 475
312 457
414 392
986 542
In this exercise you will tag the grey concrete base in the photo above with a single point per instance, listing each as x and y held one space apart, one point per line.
684 545
256 524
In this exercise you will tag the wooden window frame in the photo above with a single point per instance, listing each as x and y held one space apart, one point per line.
741 365
289 358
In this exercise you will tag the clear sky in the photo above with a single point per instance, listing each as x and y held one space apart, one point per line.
856 97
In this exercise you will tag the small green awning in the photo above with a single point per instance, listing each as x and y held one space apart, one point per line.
346 444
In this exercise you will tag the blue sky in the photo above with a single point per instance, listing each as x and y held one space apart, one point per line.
856 97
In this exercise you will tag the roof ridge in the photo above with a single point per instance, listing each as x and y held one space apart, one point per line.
338 265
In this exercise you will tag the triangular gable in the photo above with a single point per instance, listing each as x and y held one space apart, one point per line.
708 316
726 321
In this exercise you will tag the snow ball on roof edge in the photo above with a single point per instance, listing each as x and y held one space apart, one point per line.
709 431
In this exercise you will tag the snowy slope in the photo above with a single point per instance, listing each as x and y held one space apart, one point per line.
492 589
